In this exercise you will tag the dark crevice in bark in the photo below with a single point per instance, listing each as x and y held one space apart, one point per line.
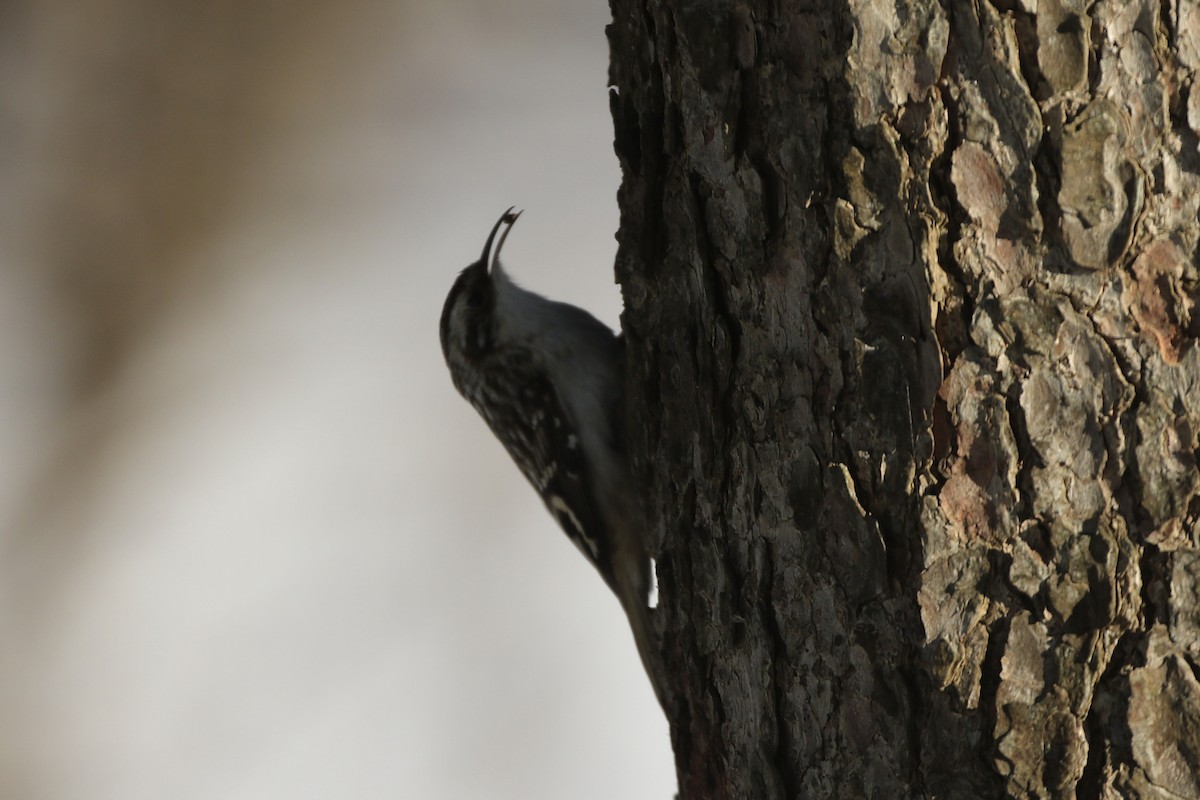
1140 518
744 99
1122 235
916 684
1023 484
774 198
1166 30
1090 782
1155 566
1048 180
725 319
738 601
989 681
780 663
1096 39
627 133
725 315
953 336
1025 25
1189 139
1038 539
1104 726
1192 666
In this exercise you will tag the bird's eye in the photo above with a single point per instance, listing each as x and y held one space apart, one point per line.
475 298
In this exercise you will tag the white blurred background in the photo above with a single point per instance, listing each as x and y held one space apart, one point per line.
252 544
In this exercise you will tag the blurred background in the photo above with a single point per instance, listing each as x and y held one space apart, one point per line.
252 544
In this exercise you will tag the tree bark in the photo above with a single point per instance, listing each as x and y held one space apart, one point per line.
909 299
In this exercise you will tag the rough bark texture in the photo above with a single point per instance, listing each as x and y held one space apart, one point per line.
909 303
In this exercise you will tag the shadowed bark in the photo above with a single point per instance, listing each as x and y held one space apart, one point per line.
909 307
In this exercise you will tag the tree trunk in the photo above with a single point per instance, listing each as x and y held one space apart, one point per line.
912 375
